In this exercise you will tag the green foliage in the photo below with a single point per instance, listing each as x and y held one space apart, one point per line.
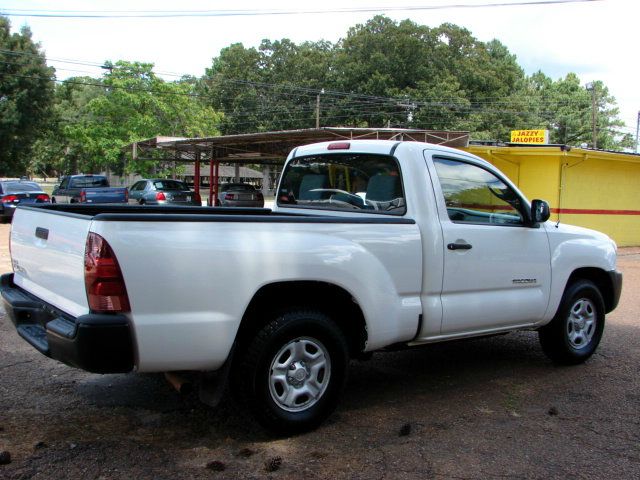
132 104
401 74
26 94
270 88
382 73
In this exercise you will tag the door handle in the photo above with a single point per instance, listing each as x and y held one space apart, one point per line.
42 233
459 246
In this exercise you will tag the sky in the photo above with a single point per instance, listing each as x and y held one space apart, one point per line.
597 40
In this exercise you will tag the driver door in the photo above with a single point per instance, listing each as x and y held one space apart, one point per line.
497 271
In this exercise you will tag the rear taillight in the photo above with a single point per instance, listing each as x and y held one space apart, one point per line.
103 279
126 196
83 196
230 196
9 199
160 196
43 197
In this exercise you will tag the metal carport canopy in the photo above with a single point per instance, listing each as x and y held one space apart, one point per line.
273 147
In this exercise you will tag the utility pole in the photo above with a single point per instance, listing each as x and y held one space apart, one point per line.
318 108
591 87
637 131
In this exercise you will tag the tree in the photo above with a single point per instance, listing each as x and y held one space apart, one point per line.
565 108
26 96
134 105
270 88
387 73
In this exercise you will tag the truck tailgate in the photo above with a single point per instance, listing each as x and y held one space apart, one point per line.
105 195
47 252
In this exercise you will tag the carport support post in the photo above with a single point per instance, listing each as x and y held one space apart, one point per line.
266 178
215 183
211 202
196 175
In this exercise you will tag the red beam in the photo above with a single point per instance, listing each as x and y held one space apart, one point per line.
584 211
196 176
215 183
211 202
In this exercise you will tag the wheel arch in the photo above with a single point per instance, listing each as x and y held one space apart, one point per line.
600 279
333 300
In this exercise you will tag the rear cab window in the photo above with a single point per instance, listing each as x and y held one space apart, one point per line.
89 182
354 182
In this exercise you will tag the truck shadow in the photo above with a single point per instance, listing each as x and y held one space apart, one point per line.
397 383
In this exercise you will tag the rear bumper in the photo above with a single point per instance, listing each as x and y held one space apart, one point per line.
94 342
242 203
8 210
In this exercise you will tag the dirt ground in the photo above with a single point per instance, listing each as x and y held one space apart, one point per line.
490 408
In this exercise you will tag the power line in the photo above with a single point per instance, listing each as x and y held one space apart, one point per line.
110 14
312 92
354 107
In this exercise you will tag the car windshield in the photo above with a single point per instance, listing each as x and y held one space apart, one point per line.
13 187
169 185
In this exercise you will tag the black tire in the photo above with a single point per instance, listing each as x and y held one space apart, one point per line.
576 330
53 199
253 375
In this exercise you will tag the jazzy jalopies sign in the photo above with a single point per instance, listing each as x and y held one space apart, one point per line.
535 137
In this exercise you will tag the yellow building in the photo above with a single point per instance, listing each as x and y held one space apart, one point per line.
590 188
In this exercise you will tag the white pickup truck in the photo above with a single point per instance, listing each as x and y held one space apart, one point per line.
371 244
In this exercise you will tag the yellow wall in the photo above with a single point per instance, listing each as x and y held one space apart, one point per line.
601 190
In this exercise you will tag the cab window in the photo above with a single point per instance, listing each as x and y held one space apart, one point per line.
475 195
349 182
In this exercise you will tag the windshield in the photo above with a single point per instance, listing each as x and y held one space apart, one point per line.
14 187
354 182
169 185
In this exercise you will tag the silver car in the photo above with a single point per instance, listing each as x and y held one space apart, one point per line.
162 191
239 195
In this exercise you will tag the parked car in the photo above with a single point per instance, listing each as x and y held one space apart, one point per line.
15 192
239 195
88 189
162 191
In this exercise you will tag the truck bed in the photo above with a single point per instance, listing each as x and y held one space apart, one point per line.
175 259
160 213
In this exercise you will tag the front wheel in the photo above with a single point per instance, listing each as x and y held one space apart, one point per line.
292 372
575 332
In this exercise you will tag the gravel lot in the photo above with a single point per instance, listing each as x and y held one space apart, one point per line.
490 408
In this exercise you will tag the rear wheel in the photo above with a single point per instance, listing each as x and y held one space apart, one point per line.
575 332
292 372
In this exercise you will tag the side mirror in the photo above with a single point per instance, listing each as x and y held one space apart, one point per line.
56 187
539 211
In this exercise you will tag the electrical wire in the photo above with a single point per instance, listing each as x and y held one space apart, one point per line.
111 14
